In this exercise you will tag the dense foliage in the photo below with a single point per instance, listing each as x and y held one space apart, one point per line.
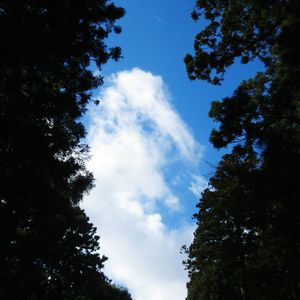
247 243
48 247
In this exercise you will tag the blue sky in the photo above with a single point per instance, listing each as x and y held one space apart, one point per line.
150 148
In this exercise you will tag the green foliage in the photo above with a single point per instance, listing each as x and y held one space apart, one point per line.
226 233
48 247
247 244
245 29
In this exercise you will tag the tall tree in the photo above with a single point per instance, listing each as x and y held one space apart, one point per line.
226 235
48 248
261 120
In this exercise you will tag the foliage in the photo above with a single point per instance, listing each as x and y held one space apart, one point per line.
226 233
48 247
245 29
247 243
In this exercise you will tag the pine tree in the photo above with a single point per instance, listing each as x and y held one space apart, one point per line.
48 247
261 121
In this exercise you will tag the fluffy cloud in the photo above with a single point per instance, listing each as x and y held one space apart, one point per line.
135 134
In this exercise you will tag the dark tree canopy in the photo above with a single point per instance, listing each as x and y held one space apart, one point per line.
247 243
48 247
245 29
226 233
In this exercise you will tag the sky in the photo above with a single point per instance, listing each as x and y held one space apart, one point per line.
150 150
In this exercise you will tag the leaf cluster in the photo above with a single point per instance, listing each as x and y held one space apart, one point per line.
236 29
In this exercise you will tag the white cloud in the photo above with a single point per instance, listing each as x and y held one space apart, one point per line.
198 185
134 135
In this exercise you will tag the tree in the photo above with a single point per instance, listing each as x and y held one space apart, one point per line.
226 233
261 120
48 248
245 29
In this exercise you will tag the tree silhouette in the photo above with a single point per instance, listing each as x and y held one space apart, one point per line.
246 245
48 247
